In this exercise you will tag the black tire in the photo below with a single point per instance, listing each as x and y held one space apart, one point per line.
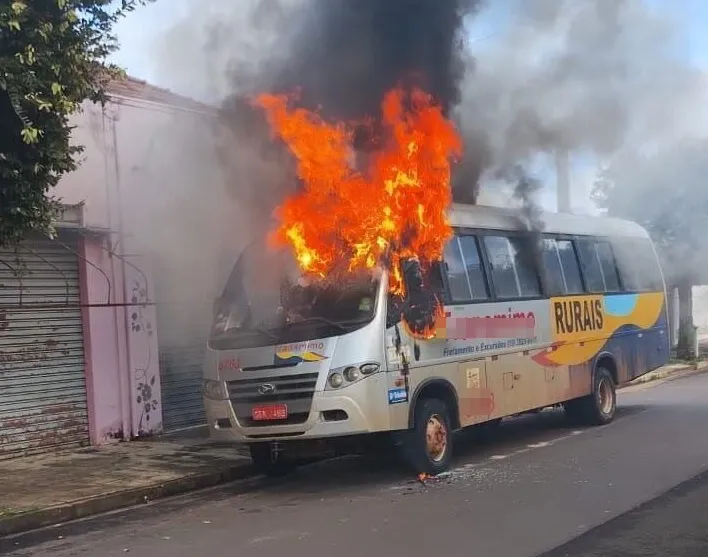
598 408
263 462
414 445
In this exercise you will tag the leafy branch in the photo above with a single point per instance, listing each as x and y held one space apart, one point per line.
52 59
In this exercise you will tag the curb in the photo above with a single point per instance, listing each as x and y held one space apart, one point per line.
675 373
83 508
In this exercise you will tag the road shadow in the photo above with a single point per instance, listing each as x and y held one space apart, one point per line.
472 446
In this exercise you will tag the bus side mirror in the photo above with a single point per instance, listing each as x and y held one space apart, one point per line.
412 277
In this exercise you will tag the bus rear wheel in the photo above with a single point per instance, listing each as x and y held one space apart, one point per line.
427 448
267 463
598 408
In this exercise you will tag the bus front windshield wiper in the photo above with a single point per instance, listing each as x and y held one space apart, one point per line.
258 330
266 333
323 320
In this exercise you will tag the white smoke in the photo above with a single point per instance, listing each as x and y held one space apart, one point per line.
216 48
584 75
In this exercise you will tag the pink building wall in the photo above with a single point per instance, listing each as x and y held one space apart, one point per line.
136 187
101 345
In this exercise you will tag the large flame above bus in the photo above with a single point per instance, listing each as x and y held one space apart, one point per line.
352 219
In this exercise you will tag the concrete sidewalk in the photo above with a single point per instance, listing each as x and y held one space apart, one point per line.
50 489
670 371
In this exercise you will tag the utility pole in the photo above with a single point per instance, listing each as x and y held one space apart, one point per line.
563 180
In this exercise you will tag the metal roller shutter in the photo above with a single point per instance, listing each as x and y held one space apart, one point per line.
42 374
181 329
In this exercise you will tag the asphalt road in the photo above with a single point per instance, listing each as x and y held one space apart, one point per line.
537 486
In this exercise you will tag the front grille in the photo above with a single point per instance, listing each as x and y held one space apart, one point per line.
294 390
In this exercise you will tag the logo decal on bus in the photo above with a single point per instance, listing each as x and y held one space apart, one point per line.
299 352
577 315
582 325
512 324
266 389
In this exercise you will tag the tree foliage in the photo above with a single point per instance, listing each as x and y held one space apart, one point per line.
52 58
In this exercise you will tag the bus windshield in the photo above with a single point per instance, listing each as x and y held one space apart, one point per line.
267 301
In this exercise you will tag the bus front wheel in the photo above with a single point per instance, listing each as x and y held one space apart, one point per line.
427 448
599 407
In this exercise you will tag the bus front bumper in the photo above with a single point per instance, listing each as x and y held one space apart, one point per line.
331 415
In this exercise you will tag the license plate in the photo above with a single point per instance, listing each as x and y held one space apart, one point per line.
270 412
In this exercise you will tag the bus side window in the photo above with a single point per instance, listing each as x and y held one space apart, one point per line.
571 267
648 267
599 267
631 279
474 268
608 265
465 273
562 268
553 268
459 285
513 275
590 266
638 265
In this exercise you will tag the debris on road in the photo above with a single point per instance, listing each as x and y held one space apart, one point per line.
424 478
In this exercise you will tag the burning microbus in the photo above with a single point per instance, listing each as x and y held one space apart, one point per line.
378 310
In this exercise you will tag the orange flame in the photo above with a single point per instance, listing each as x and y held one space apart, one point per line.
346 219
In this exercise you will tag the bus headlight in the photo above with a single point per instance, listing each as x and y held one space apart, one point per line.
351 374
368 369
344 376
215 390
336 380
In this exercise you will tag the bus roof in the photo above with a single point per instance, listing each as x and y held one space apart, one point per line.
496 218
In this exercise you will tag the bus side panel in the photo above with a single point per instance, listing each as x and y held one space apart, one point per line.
484 352
630 327
637 350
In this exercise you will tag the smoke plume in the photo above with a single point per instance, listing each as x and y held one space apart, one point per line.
578 75
349 53
585 76
344 55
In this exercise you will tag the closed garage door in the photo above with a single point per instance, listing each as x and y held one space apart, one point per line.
42 377
181 331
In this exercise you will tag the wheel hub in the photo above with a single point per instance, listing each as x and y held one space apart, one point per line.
436 438
604 393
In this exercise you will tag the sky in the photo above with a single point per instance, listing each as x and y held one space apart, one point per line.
140 32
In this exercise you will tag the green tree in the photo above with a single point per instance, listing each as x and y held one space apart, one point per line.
666 193
52 58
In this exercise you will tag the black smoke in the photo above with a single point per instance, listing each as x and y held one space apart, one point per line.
343 56
349 53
